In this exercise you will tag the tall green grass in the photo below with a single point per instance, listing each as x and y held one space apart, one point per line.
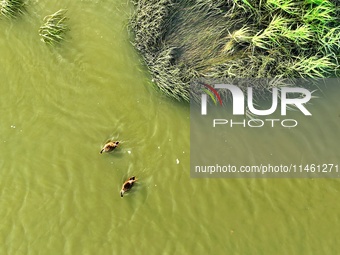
186 41
11 8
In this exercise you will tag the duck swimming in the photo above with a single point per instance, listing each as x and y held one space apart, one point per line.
109 146
127 185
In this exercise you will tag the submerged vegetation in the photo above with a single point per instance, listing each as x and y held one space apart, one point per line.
11 8
184 42
52 31
55 27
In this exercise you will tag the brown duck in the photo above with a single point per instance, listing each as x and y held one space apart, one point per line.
109 146
127 185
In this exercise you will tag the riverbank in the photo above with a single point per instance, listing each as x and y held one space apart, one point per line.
186 42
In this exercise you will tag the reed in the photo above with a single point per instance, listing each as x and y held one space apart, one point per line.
189 41
55 27
11 8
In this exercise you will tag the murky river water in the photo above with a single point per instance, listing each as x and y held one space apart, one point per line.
58 195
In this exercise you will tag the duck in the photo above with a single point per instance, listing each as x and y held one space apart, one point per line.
127 185
109 146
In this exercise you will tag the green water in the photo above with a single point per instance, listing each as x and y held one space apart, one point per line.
58 195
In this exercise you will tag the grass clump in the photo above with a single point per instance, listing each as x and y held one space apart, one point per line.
55 28
186 41
11 8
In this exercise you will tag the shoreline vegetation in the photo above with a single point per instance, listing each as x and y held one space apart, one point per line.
185 43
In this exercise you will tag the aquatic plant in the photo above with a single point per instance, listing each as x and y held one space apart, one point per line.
11 8
55 27
185 42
